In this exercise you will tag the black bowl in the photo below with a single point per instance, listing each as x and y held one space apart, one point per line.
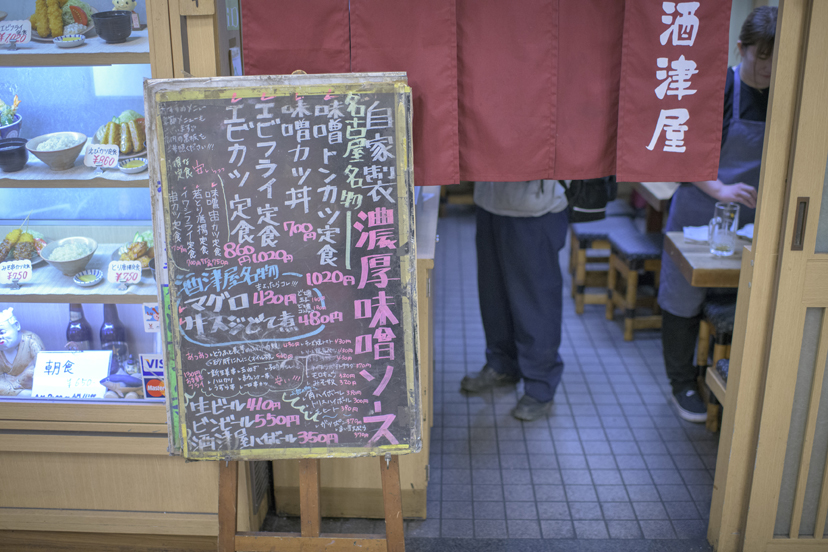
13 154
113 26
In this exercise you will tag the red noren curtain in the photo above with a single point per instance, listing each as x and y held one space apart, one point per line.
517 91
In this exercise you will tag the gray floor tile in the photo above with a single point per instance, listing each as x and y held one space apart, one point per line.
612 493
521 510
592 448
601 461
625 447
457 492
673 493
484 461
554 529
585 510
457 510
546 477
624 529
486 492
519 492
618 510
423 528
581 493
606 477
457 477
630 462
666 477
515 461
489 510
523 529
636 477
550 493
458 528
643 492
657 529
690 529
590 529
576 477
553 510
486 477
490 529
659 462
682 510
572 462
516 477
649 510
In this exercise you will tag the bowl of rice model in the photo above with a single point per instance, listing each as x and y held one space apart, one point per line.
58 149
69 255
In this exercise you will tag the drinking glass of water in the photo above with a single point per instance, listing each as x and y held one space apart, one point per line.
721 231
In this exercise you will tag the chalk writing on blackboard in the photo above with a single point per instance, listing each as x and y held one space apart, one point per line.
289 240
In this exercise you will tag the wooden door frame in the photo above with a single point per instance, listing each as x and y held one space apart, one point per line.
758 289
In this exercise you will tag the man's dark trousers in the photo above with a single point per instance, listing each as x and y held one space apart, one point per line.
521 296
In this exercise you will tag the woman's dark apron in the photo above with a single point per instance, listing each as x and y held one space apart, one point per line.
740 161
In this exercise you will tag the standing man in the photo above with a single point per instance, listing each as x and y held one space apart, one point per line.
521 228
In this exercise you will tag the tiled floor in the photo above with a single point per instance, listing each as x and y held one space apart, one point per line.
613 468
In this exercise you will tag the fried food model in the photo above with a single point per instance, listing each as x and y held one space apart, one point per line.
9 242
25 248
139 251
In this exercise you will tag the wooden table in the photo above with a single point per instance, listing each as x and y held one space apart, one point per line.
701 269
656 194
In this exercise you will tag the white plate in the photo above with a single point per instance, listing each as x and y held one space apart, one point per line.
37 38
122 156
134 169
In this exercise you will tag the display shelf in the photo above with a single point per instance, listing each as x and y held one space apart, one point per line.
36 174
94 52
49 285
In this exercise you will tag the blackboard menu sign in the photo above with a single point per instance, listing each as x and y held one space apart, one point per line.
285 206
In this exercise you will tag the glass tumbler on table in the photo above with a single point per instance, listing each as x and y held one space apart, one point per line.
721 231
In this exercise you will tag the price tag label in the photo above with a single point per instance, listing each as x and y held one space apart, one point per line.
15 31
71 375
124 272
101 155
15 271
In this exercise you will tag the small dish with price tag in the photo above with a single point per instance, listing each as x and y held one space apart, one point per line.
88 278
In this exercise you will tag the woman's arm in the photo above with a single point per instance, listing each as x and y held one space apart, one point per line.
737 193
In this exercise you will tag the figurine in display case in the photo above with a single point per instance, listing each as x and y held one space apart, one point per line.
18 353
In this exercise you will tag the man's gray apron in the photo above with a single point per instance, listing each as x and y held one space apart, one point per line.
740 161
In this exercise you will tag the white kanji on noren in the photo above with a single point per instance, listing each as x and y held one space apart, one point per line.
671 121
677 81
684 27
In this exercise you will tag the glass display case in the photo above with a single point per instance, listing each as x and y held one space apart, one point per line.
74 92
93 461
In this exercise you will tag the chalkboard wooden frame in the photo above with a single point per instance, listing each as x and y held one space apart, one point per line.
158 94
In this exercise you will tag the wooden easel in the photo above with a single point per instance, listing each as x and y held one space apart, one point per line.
310 538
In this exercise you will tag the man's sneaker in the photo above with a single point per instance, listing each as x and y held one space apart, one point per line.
529 409
690 406
485 380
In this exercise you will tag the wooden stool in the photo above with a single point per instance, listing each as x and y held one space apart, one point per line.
632 252
719 317
594 236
